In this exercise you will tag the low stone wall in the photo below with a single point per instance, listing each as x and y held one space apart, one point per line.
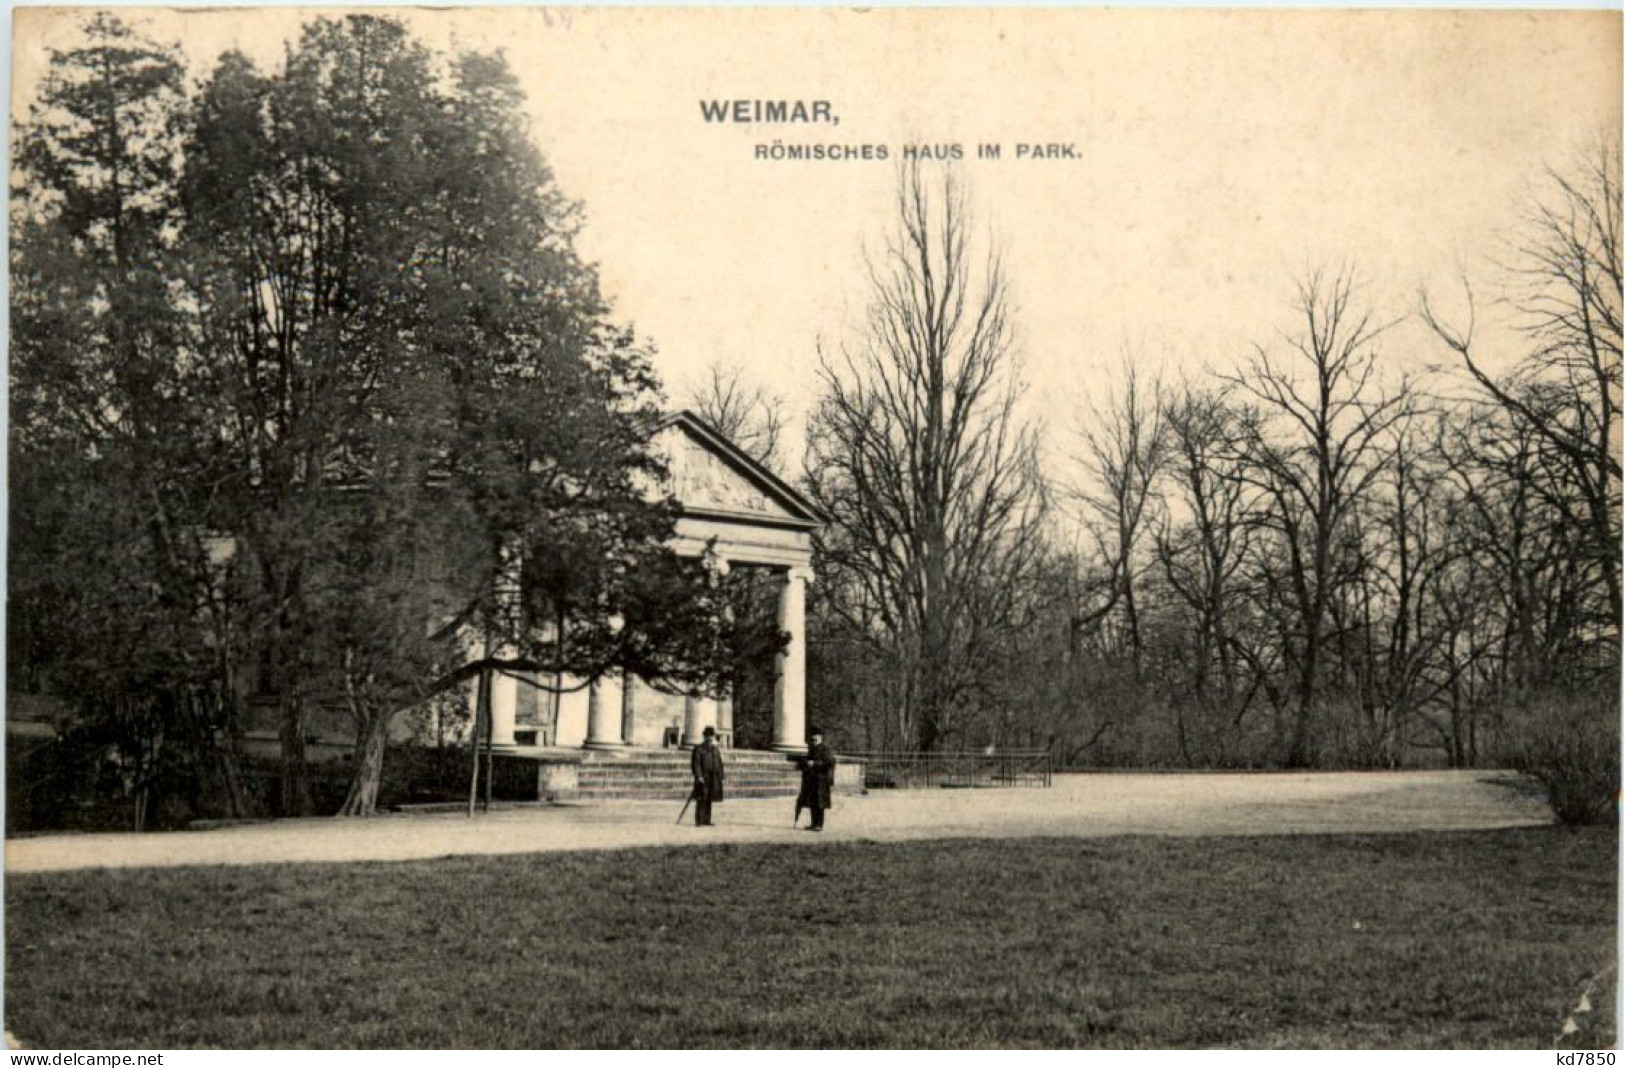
849 778
558 781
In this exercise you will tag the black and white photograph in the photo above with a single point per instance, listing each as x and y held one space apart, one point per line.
537 528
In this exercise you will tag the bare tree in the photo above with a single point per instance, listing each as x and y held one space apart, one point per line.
1310 450
1124 450
1201 557
1389 621
747 414
1566 272
1514 525
1487 599
917 451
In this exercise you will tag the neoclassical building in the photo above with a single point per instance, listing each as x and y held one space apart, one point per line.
747 517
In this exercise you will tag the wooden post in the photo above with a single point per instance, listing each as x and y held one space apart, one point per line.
556 704
490 756
482 696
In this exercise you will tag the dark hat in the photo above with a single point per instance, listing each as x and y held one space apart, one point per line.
814 730
709 732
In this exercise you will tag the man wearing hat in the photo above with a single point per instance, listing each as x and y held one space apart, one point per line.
817 778
706 764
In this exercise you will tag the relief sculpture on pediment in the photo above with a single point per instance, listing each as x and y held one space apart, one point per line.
703 480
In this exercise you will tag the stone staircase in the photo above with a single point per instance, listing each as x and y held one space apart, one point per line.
663 775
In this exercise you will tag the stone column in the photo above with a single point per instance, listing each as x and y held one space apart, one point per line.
604 714
629 683
504 708
790 683
691 729
725 717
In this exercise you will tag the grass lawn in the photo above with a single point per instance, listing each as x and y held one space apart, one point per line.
1447 939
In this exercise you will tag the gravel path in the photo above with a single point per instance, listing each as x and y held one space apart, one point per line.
1077 805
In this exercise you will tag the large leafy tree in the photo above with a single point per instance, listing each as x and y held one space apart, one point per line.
309 202
399 321
331 317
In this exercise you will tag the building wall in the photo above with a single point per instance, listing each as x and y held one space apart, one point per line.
653 713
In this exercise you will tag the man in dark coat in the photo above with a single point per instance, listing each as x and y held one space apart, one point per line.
706 764
817 779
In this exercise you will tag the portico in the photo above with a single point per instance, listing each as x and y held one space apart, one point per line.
741 515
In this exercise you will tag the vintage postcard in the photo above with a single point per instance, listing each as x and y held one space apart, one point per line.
555 527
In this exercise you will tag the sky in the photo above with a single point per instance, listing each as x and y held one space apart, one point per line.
1217 157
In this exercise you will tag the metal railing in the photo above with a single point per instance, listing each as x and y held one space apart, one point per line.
961 768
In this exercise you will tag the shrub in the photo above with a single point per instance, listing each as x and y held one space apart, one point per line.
1569 741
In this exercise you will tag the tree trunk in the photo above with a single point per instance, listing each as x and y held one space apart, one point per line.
223 758
295 796
482 715
1299 754
371 739
555 702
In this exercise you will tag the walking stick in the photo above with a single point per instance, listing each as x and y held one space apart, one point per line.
801 764
693 793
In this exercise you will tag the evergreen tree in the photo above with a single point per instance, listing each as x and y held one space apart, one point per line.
112 583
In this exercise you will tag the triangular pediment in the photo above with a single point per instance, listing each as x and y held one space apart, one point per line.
711 475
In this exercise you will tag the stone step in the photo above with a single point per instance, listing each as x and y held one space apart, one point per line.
681 787
684 777
675 795
680 769
763 765
761 759
664 775
683 784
